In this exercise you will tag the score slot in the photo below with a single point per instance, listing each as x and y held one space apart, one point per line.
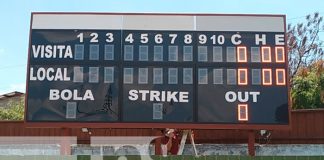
266 77
242 77
242 111
280 77
280 54
266 54
241 54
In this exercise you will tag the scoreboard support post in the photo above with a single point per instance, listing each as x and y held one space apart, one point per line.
192 140
157 143
251 142
65 145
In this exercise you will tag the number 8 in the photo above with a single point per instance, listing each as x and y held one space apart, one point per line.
187 39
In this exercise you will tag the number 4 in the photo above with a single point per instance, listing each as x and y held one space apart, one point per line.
129 38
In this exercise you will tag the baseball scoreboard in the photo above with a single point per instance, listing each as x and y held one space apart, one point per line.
157 70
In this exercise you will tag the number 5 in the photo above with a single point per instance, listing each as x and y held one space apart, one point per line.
144 38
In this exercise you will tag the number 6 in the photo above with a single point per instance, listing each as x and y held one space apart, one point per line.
158 38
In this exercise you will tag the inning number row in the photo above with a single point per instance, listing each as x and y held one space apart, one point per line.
158 38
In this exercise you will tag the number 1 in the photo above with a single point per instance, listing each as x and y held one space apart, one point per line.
80 36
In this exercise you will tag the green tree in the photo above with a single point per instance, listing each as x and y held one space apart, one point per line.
14 112
306 55
307 91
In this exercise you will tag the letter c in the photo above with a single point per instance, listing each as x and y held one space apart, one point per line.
236 39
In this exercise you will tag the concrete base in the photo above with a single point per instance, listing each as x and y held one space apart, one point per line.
203 149
212 149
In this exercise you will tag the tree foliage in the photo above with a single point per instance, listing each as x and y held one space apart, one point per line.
306 56
304 44
308 89
14 112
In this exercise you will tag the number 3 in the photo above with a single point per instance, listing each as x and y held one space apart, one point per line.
110 37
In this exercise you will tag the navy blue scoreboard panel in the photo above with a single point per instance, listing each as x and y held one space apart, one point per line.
137 69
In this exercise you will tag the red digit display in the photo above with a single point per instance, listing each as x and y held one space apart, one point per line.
242 77
280 54
242 110
266 77
241 54
280 77
266 54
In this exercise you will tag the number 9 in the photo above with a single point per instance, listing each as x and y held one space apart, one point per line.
202 39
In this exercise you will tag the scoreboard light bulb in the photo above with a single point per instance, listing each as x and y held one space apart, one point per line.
242 72
265 81
283 81
84 130
242 112
281 58
266 54
239 49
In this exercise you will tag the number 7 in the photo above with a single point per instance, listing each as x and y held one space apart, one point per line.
173 37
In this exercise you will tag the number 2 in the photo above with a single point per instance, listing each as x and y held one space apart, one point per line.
94 38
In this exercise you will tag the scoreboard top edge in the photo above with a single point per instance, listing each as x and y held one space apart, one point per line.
159 21
154 13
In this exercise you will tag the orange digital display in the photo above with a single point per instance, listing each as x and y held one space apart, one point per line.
241 54
266 77
280 54
242 111
242 77
280 77
266 54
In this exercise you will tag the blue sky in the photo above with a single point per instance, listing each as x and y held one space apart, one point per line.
15 21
